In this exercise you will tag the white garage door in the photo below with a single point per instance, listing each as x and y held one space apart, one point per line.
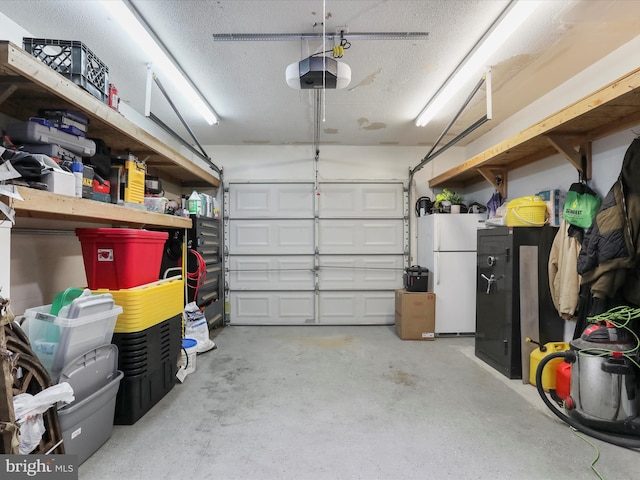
294 256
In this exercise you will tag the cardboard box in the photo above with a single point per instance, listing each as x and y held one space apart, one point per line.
415 315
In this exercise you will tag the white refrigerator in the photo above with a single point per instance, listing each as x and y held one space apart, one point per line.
447 245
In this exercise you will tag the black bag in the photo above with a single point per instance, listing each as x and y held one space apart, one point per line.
101 161
416 279
29 167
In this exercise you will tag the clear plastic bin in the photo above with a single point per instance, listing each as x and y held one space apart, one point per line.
56 340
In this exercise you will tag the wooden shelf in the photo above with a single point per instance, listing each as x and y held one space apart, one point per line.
26 84
613 108
45 205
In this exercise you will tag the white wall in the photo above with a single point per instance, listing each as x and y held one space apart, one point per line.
296 163
12 31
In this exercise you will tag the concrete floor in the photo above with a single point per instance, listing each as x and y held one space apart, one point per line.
309 403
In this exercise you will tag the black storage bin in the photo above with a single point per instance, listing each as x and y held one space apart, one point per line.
73 60
416 279
149 361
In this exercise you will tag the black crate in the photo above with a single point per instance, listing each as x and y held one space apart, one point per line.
73 60
138 394
149 361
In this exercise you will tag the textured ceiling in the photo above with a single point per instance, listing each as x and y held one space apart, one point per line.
391 79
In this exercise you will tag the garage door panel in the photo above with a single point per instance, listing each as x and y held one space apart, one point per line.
360 272
271 308
382 200
279 273
287 267
355 236
356 308
271 200
273 237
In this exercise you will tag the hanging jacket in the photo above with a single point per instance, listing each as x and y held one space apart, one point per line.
564 281
608 258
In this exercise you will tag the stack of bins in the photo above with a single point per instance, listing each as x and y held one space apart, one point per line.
76 348
87 423
148 333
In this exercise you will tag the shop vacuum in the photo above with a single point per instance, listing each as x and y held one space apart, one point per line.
604 390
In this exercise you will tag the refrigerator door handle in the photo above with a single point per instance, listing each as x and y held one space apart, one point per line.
437 265
438 233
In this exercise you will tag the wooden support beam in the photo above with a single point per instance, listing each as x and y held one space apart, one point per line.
496 177
8 92
581 159
7 415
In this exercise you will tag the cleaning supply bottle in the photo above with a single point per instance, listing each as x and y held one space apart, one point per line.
193 204
78 171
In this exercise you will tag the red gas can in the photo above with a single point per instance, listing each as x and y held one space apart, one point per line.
563 380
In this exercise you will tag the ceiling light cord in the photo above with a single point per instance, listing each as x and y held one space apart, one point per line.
324 59
317 105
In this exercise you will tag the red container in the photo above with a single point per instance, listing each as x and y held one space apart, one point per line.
563 380
117 258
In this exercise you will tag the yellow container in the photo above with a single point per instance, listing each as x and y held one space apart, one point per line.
134 185
549 373
526 212
147 305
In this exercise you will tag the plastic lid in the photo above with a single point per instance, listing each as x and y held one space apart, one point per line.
120 232
189 342
90 372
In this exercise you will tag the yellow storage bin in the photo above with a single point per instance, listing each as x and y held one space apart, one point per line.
526 212
147 305
549 373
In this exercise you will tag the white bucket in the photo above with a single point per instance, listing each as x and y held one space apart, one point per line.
188 355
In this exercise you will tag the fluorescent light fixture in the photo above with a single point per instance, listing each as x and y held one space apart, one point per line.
161 62
517 13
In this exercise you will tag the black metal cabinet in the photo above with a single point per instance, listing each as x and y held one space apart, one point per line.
497 340
204 267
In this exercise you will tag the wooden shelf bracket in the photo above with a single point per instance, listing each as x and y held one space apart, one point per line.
8 92
496 177
581 158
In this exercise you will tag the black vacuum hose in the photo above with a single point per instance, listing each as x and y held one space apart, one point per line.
618 440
